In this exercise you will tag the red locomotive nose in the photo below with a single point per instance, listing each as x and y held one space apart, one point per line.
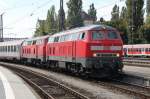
105 43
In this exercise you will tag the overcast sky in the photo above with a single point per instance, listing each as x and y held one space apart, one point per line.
20 16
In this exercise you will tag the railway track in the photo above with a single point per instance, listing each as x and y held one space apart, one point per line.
136 86
127 84
47 88
136 62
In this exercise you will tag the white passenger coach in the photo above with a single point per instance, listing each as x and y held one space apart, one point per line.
10 50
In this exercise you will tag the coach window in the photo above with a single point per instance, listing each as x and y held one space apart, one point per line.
3 48
8 48
143 49
136 50
11 48
14 48
128 49
146 50
139 49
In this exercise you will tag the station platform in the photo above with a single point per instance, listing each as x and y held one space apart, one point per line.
137 71
13 87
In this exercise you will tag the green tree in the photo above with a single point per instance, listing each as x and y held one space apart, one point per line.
135 19
148 12
92 12
61 18
145 30
74 17
52 20
115 13
123 14
40 28
148 7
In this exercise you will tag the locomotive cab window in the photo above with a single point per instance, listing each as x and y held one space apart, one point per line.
97 35
112 35
82 36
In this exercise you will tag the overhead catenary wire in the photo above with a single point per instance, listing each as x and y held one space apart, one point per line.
29 14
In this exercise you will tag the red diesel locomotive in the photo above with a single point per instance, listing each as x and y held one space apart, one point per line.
92 50
34 50
95 49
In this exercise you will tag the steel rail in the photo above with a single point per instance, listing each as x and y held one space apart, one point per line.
126 90
22 72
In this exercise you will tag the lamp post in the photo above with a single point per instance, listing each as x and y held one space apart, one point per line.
1 27
61 17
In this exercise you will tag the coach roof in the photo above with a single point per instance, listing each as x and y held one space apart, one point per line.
36 38
9 43
85 28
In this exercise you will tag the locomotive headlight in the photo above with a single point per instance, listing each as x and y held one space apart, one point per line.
94 55
117 54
